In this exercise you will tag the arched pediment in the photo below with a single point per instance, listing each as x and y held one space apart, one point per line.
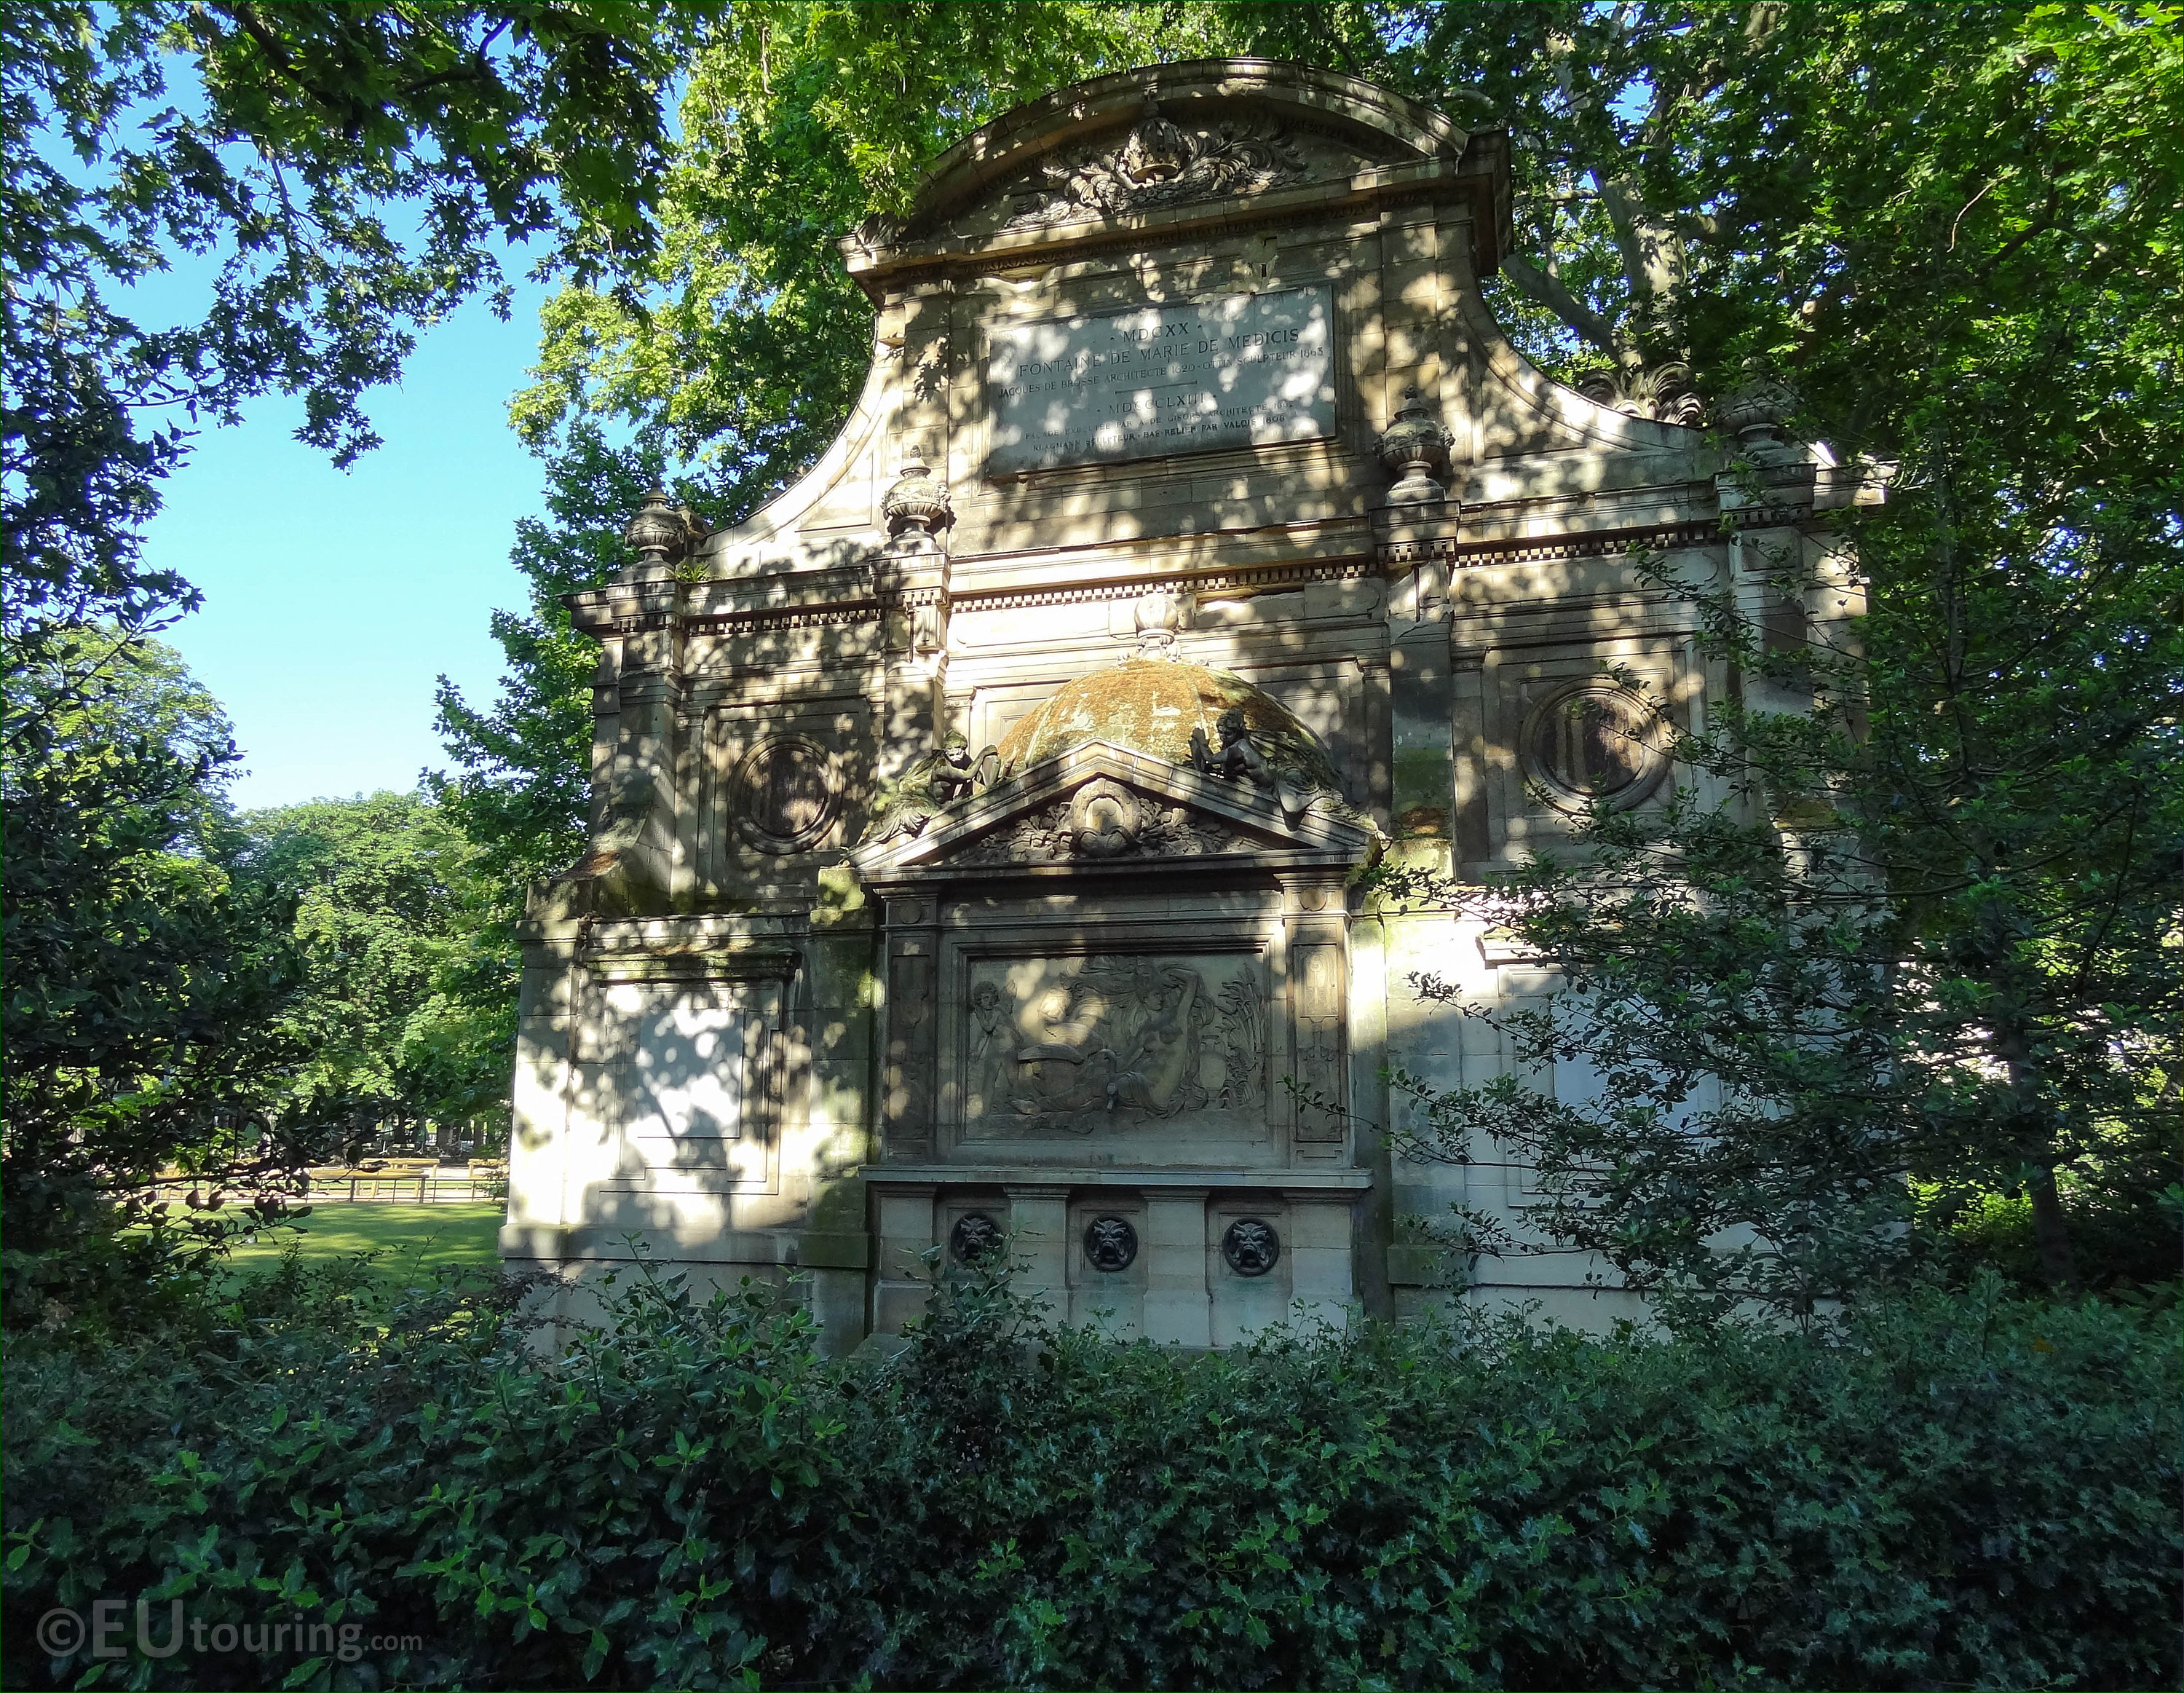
1140 141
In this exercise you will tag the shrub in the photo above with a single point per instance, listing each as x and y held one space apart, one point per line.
1961 1489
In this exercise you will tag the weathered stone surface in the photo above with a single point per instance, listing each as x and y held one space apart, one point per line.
972 826
1245 369
1158 708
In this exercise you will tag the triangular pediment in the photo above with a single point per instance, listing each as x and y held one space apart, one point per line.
1103 808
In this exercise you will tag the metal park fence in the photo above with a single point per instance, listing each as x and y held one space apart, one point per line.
437 1185
412 1182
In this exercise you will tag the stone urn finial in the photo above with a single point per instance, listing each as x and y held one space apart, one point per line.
1413 442
1157 614
916 499
661 534
1757 410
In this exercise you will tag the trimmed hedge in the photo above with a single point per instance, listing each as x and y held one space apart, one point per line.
1957 1491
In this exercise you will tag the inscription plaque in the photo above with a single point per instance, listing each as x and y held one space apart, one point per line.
1243 369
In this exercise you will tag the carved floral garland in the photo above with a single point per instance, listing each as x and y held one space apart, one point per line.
1051 834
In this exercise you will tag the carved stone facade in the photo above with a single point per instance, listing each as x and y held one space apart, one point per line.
975 828
1157 164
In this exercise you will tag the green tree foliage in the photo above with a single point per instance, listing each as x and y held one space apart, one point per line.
342 175
387 907
346 172
142 984
1932 952
182 988
1960 1491
94 685
525 764
1583 89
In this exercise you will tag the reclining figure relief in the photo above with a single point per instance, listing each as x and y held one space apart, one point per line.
1127 1039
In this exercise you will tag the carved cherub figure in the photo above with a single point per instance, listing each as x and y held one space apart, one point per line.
1239 754
1240 759
955 775
930 785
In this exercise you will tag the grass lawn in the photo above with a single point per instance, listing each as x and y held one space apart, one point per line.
407 1237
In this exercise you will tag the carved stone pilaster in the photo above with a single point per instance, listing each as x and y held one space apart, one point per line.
909 576
1421 716
1415 534
635 860
910 1050
1768 497
1317 967
1178 1310
911 580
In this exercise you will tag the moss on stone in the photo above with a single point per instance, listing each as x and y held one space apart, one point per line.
1152 706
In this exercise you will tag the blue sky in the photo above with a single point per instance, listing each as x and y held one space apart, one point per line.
332 600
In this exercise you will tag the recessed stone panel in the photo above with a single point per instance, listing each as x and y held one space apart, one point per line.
1591 742
1240 370
783 794
1148 1048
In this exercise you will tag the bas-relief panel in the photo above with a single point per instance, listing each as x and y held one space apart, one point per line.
778 785
1566 735
1147 1047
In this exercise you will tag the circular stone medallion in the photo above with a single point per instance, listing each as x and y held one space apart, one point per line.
975 1237
1251 1246
1590 742
1104 820
1111 1244
783 797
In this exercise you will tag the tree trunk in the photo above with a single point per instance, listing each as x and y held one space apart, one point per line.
2048 1232
2032 1129
2053 1239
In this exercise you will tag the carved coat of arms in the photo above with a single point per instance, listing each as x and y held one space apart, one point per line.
1160 163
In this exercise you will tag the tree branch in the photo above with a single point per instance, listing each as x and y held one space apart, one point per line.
1550 292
